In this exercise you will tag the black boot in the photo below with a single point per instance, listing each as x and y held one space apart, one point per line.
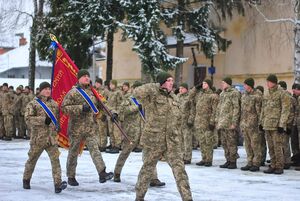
59 187
157 183
104 176
232 165
245 168
72 182
186 162
26 183
269 171
225 165
6 138
201 163
278 171
113 150
254 168
117 178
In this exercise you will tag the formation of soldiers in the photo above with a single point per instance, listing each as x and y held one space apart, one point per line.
167 123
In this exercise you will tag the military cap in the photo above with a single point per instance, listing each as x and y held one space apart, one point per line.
44 85
283 84
296 86
162 77
114 82
99 80
250 82
185 85
82 72
137 84
228 80
260 88
209 82
126 84
5 84
272 78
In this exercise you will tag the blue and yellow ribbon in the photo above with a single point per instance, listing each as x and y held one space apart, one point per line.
48 112
87 99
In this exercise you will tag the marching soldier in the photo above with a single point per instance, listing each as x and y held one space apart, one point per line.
227 118
80 104
250 112
41 116
274 118
160 135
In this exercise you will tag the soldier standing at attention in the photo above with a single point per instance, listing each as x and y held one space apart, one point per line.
227 118
160 135
43 134
205 106
274 118
250 112
78 104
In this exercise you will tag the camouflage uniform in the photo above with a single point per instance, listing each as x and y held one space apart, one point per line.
82 126
8 110
114 100
42 138
26 98
185 128
102 122
228 114
251 103
19 119
205 106
297 122
160 137
130 119
294 135
275 113
2 129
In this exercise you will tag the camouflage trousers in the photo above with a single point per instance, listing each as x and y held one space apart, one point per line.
194 141
151 157
229 144
20 125
252 140
114 134
295 141
34 153
102 133
206 141
9 125
91 141
275 145
287 149
263 146
2 129
187 133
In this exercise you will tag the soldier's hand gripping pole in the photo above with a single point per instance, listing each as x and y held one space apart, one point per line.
108 112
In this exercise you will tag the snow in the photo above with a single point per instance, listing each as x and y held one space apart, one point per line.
207 183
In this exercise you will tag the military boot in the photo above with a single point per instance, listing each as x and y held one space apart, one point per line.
5 138
157 183
278 171
254 168
270 170
59 187
232 165
201 163
26 183
225 165
104 176
117 178
113 150
186 162
73 182
245 168
208 164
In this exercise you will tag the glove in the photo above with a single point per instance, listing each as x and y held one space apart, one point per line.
280 130
114 117
57 129
288 131
260 127
140 107
103 118
86 108
211 127
47 120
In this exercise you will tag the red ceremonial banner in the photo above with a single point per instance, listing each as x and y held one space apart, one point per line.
64 76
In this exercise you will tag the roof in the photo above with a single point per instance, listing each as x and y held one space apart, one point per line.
189 38
19 58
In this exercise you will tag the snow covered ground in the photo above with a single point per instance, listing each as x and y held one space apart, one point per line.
207 183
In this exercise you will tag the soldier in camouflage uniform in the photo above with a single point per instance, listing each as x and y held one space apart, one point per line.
114 100
204 111
2 130
160 135
26 98
274 119
8 110
251 102
294 136
18 118
227 118
82 126
102 120
186 129
43 137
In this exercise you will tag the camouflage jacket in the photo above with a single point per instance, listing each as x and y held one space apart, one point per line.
8 103
162 110
228 111
41 134
26 98
18 103
275 109
250 109
114 99
185 108
205 107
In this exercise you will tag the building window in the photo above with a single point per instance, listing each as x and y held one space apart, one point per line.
11 76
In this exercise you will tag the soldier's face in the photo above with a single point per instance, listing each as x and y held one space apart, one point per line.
182 90
247 88
270 84
168 84
224 85
46 92
204 85
97 85
85 80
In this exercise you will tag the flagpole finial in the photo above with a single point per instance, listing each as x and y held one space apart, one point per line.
53 38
